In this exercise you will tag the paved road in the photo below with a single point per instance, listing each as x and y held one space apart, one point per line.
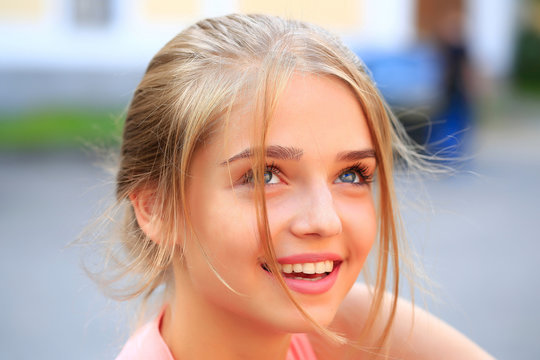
478 240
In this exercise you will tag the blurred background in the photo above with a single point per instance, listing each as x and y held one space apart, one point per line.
462 75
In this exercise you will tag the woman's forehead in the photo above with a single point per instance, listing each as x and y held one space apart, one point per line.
319 113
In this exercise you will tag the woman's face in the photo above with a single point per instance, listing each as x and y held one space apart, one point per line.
320 162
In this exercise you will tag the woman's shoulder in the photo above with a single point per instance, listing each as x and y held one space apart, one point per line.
415 333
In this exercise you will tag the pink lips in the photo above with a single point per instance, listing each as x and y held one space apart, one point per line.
312 287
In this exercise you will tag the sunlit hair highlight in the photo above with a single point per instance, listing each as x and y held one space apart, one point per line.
187 94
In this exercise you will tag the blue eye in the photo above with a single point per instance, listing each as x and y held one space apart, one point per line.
357 174
349 177
270 176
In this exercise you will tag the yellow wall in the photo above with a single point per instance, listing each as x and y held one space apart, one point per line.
22 9
159 10
336 14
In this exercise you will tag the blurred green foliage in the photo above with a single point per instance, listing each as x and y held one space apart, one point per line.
527 60
59 128
527 64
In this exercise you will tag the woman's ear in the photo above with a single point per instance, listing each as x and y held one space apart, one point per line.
144 205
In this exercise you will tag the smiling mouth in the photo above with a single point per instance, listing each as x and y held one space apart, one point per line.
306 271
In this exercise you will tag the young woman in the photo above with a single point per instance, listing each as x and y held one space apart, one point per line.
256 176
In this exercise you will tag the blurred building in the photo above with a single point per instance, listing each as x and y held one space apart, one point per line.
94 51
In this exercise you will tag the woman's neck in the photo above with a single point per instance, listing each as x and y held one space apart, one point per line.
195 329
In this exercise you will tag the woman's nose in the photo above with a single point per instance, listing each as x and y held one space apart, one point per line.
316 214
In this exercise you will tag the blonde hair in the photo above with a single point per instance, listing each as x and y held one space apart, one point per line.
190 88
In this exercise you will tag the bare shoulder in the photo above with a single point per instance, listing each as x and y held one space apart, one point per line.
415 333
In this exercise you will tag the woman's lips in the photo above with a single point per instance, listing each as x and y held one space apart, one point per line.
309 273
313 285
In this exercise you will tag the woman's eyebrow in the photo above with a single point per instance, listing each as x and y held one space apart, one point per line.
272 151
355 155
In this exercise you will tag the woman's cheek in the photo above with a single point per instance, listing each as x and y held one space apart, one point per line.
360 222
233 224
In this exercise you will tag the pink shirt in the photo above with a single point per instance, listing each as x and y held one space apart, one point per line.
147 343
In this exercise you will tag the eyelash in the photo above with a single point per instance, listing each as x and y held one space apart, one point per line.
361 169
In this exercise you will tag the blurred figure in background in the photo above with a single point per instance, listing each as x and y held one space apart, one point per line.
452 119
441 26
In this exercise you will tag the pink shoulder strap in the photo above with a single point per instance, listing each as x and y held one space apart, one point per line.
300 348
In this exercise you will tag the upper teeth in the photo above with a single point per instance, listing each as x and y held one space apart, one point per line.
320 267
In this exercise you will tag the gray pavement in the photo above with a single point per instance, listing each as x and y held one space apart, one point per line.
477 237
